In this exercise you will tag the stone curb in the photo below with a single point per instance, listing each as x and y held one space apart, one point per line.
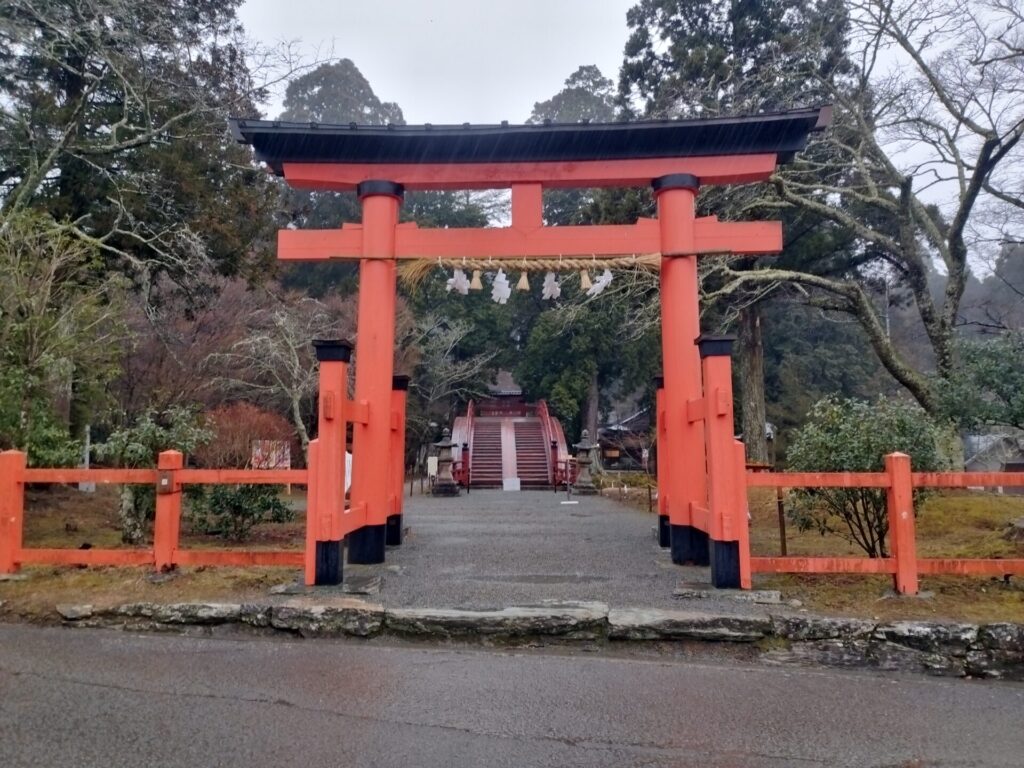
949 649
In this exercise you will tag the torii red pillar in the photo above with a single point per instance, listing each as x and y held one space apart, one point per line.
729 550
683 460
325 508
375 344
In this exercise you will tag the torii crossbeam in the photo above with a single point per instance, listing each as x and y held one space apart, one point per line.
674 156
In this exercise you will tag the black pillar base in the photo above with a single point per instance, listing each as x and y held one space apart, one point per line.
366 545
393 533
328 563
445 489
664 532
689 545
725 564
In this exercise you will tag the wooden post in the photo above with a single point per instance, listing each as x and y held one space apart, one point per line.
326 507
399 388
685 486
902 534
661 465
555 473
312 511
741 512
724 507
12 509
167 524
780 507
375 350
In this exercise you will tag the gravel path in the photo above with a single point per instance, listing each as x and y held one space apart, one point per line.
491 549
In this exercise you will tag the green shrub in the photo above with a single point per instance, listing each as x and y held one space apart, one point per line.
231 512
843 435
178 428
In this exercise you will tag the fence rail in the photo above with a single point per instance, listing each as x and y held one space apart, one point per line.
168 478
105 476
899 483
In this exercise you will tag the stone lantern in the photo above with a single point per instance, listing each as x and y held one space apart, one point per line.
584 485
445 484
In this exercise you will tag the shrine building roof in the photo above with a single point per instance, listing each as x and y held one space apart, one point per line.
782 133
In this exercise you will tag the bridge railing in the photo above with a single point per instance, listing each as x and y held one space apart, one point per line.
899 483
549 441
566 471
460 471
169 478
560 462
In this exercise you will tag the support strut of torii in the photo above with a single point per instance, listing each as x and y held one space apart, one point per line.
704 516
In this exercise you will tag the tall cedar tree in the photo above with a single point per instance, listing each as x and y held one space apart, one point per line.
706 59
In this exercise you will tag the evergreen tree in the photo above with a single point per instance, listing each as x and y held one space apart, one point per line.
942 77
584 349
710 58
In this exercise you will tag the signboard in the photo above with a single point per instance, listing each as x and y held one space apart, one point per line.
277 454
271 454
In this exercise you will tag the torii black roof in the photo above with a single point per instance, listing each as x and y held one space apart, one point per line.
277 142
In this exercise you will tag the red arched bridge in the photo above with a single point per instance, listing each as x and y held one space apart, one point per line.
506 443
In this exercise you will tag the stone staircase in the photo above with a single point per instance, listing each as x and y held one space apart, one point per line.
531 454
485 458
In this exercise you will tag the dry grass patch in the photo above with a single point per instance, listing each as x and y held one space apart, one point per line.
62 517
46 587
955 524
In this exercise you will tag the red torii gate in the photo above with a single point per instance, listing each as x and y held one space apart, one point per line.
702 501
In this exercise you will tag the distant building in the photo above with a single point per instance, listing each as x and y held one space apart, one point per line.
996 452
627 444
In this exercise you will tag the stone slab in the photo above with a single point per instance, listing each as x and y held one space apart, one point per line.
703 592
656 624
575 621
339 617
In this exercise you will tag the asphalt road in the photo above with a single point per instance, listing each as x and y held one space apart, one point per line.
103 698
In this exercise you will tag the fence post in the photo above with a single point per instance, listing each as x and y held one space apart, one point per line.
660 467
902 536
393 528
12 509
167 524
312 511
741 513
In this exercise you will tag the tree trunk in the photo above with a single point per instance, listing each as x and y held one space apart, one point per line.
300 426
133 523
750 361
950 447
590 418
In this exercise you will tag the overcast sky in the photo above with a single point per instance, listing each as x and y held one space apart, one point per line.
454 61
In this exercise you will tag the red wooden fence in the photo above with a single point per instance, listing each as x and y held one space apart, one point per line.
899 483
169 477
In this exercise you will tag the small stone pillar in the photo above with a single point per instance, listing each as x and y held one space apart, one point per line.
445 484
584 455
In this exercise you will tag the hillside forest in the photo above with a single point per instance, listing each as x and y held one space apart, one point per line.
141 301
